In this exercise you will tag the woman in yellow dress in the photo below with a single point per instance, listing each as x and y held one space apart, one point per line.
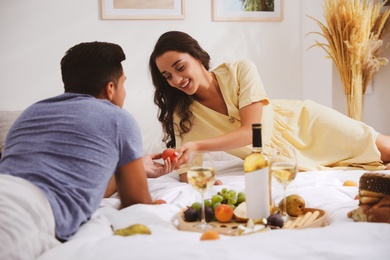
214 110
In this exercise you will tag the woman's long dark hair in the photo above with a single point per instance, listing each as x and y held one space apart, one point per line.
168 99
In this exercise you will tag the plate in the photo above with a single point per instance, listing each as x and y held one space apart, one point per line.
312 218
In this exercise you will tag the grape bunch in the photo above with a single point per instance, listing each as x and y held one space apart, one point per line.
225 196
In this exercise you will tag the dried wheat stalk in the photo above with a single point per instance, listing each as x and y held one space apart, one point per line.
354 31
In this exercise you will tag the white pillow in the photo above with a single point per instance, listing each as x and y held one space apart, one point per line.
7 118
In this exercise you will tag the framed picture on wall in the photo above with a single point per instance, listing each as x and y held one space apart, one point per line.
248 10
141 9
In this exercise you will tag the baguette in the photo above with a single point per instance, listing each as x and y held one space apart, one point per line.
369 200
366 193
303 220
312 218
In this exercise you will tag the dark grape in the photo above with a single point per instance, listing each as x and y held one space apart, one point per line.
209 216
190 215
275 220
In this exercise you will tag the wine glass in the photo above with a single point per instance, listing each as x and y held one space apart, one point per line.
284 168
201 175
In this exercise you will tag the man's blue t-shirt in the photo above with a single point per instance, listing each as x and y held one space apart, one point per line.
70 146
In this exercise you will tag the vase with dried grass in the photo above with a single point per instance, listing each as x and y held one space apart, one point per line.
354 33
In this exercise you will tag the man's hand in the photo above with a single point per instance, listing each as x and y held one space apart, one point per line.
155 169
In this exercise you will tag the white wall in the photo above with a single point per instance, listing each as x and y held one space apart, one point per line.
36 33
317 70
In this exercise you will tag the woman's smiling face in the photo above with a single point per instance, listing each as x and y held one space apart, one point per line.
181 70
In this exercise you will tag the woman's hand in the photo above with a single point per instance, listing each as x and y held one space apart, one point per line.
155 169
184 153
185 150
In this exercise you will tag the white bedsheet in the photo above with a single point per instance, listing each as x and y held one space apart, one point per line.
342 238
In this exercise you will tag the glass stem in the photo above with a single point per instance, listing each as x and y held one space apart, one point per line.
284 204
203 215
284 200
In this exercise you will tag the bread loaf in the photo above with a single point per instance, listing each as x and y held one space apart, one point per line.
373 187
374 198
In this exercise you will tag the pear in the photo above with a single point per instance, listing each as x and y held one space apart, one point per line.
132 230
239 213
294 205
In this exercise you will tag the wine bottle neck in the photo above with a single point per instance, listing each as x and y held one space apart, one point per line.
257 150
256 136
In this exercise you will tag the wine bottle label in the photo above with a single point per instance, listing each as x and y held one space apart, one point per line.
257 194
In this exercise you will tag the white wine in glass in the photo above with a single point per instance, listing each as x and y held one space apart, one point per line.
201 176
284 168
284 172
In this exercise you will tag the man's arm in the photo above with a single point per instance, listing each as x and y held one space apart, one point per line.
132 185
111 188
153 170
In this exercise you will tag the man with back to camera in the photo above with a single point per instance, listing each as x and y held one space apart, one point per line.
61 153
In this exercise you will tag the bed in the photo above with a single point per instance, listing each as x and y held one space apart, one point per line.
339 238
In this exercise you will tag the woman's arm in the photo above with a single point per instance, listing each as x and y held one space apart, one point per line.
240 137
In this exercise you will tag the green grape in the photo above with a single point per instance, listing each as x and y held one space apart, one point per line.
226 196
216 205
224 190
196 206
241 197
232 193
232 201
207 203
216 198
241 193
231 205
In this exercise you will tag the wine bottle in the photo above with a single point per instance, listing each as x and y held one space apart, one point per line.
257 179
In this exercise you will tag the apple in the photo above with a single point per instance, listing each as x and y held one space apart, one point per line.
169 152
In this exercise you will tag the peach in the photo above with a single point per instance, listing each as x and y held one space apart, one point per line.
159 201
223 213
209 235
169 152
349 183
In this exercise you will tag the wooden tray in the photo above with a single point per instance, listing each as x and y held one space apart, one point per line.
319 221
231 228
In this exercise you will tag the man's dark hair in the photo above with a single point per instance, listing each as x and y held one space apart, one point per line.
87 67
